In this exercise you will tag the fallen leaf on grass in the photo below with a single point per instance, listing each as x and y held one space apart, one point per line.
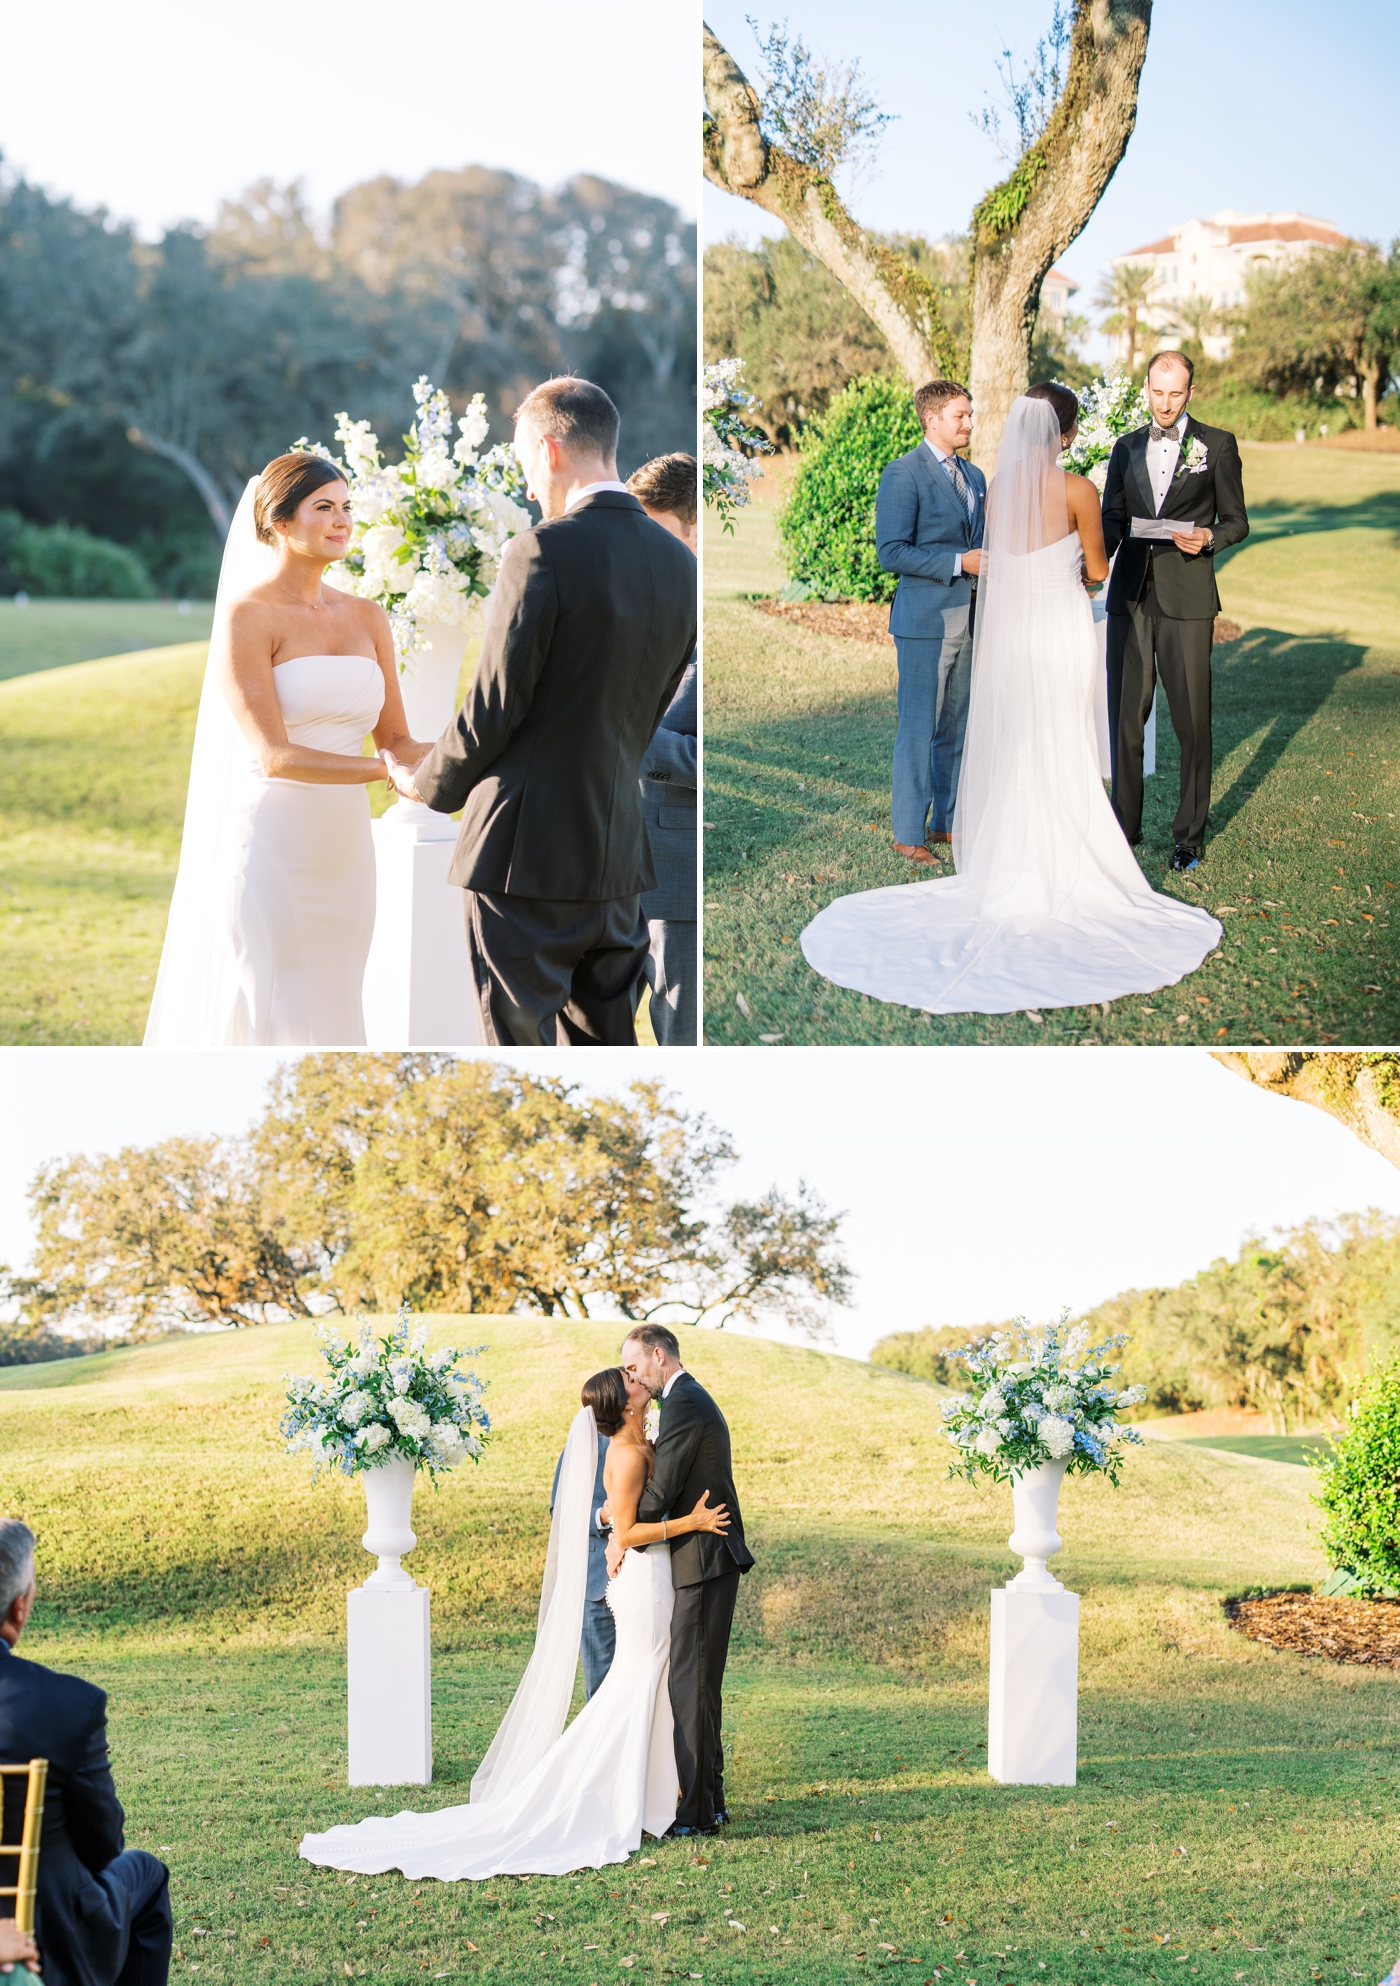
742 1004
771 1038
1032 1015
470 1946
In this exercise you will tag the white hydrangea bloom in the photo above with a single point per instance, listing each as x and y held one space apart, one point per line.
447 1444
373 1438
992 1403
1058 1436
1060 1396
988 1441
355 1406
410 1419
1131 1396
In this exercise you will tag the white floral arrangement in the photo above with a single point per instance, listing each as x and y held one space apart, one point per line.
1109 406
1194 458
726 470
651 1421
428 531
386 1398
1039 1396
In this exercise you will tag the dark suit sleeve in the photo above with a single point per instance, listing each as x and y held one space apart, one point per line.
675 1454
1231 525
519 627
896 525
95 1817
1115 500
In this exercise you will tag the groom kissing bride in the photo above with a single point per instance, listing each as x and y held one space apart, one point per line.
645 1754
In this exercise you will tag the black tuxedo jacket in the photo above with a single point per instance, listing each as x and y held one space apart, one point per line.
1213 497
62 1718
692 1456
588 631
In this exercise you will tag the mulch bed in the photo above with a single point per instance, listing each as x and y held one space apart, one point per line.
1361 1631
867 620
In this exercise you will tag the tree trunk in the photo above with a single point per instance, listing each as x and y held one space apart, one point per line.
738 159
1370 386
1023 226
1360 1091
215 502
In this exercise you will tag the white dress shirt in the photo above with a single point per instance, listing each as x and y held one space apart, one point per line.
592 489
1162 458
940 456
672 1380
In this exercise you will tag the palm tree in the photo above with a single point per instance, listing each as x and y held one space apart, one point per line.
1195 319
1127 292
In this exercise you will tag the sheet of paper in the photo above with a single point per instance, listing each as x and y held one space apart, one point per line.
1159 527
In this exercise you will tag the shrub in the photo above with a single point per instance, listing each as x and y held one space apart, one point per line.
1360 1488
934 1353
58 562
828 523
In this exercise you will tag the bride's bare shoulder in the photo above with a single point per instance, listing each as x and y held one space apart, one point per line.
626 1462
1078 489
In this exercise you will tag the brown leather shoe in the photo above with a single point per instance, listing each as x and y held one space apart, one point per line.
919 854
942 837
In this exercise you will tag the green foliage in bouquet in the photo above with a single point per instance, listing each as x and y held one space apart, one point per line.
384 1399
828 523
1039 1396
1360 1490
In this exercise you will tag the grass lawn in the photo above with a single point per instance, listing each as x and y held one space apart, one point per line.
49 633
1302 863
97 764
1237 1812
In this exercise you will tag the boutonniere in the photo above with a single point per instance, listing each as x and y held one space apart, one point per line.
651 1421
1194 457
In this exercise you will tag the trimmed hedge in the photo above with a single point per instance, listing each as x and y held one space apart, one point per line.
828 523
57 562
1360 1490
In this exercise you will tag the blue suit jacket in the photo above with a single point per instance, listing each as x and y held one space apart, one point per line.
670 777
597 1540
920 528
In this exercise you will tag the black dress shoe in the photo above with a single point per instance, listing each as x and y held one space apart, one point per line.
1186 858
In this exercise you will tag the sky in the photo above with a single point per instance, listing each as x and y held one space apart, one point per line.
158 109
1261 105
978 1184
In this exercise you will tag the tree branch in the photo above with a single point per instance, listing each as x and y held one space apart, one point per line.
215 502
1360 1091
739 160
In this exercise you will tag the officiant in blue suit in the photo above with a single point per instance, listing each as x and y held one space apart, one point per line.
929 516
607 1396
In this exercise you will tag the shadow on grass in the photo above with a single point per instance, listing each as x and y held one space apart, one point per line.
1311 668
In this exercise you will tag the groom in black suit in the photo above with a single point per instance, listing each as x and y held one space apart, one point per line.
588 632
103 1911
1162 598
692 1456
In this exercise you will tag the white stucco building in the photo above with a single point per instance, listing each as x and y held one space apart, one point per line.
1055 293
1214 258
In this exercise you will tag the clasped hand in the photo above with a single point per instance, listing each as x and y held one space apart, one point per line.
1191 542
400 776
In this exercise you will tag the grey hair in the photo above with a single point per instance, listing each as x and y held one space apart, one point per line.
16 1561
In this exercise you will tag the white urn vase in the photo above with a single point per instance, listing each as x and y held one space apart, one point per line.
428 684
389 1512
1035 1502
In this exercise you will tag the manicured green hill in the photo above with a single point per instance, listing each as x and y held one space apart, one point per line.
195 1571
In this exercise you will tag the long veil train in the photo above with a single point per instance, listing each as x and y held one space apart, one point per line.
196 988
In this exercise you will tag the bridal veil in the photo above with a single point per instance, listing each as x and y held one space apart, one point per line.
197 985
538 1710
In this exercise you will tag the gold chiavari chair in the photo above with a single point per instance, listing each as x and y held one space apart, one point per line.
25 1851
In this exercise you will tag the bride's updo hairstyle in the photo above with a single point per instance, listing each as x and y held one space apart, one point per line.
1061 399
606 1394
284 485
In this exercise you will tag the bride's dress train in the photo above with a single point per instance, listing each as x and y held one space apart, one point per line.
1049 907
583 1800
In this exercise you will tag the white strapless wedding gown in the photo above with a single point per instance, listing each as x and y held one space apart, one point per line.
611 1776
300 900
1049 907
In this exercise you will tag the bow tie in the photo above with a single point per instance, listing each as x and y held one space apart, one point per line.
1163 434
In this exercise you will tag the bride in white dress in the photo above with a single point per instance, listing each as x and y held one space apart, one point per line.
1048 907
546 1800
273 910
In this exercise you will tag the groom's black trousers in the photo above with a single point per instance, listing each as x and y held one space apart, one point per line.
700 1624
565 975
1142 644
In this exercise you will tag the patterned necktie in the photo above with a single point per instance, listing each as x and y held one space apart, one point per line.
959 481
1164 434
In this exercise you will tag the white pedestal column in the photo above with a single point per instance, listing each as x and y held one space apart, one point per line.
1149 738
1033 1726
418 988
390 1678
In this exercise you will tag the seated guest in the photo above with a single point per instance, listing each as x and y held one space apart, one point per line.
667 490
103 1912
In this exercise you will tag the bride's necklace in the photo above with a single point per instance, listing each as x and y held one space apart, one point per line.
314 605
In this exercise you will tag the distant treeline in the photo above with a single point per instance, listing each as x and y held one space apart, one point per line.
1315 340
142 384
1288 1327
